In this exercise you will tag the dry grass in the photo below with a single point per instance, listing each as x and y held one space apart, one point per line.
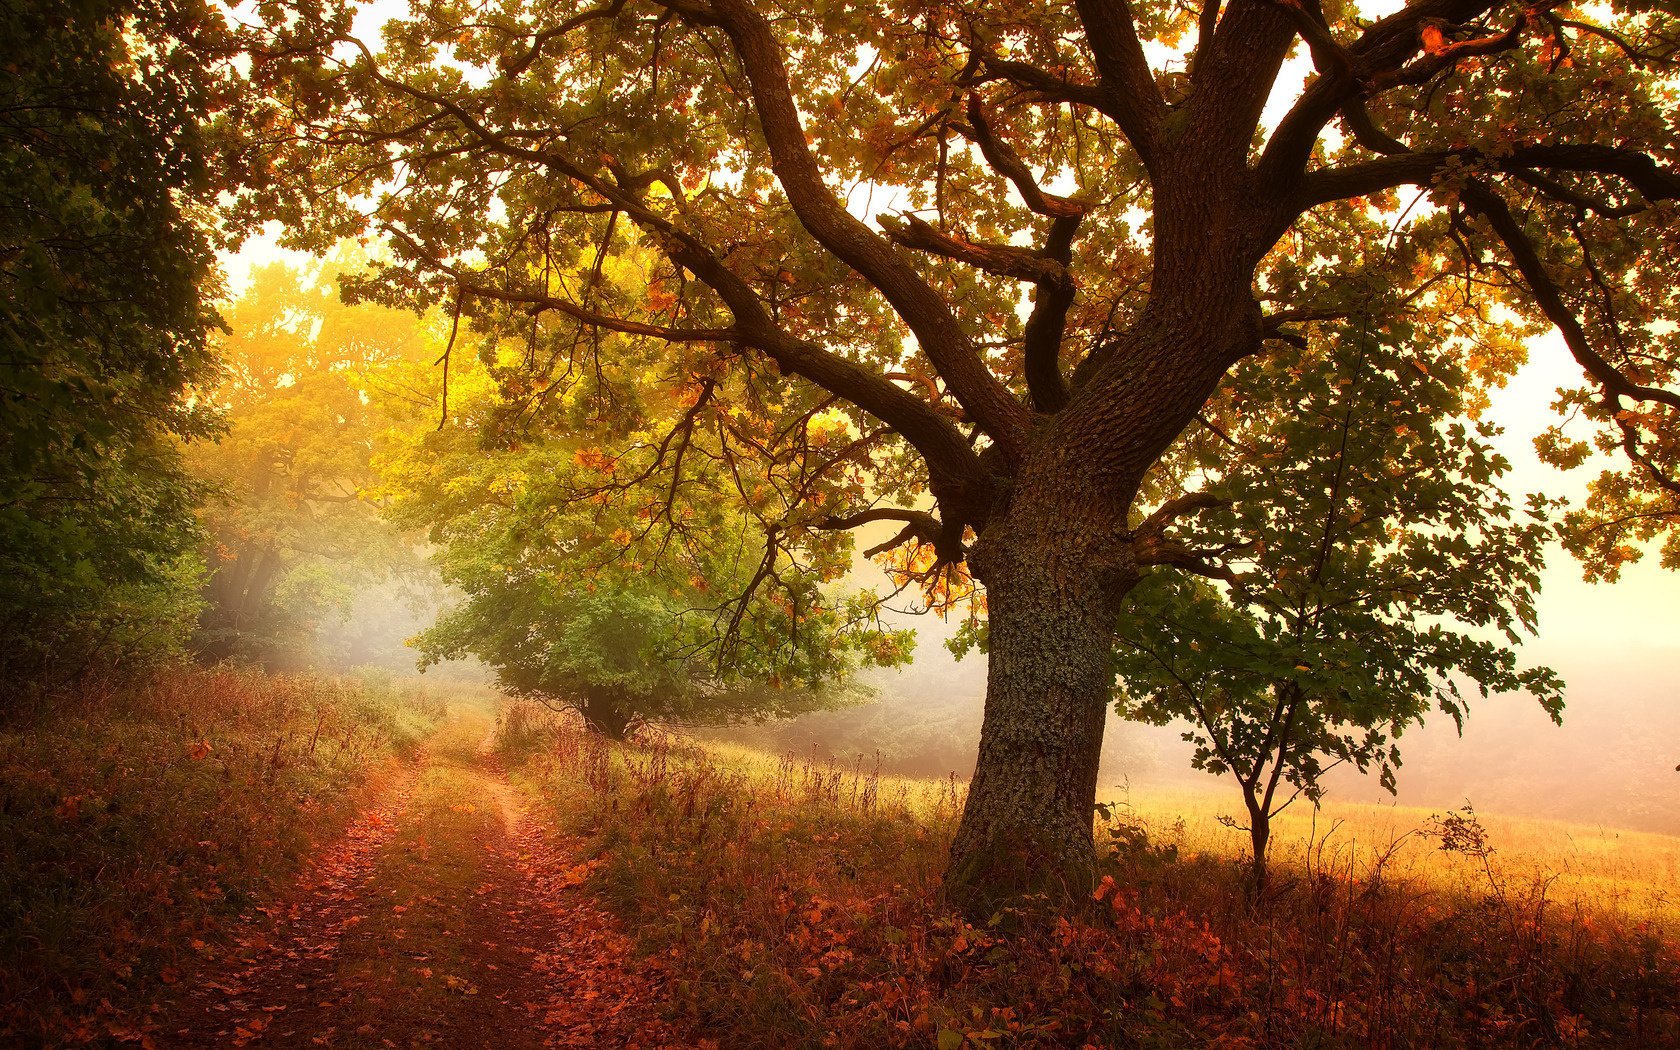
799 905
1612 874
135 820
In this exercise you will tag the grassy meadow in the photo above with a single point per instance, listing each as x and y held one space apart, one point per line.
1610 873
784 901
798 902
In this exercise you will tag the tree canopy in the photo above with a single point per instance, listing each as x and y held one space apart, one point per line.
311 388
586 586
105 250
1017 248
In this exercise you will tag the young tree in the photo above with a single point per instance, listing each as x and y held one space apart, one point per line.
864 197
587 588
1358 563
106 278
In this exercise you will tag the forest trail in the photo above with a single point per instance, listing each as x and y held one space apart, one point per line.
448 915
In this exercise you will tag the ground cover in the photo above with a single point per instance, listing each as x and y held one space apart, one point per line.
137 820
798 904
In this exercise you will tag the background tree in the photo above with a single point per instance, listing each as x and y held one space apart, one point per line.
308 392
105 310
1359 566
1169 201
584 586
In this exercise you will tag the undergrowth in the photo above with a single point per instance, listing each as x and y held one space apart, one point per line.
798 905
135 820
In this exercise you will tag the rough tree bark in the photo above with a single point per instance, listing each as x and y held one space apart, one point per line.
1026 829
1057 566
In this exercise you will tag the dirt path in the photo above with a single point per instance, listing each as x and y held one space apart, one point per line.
450 916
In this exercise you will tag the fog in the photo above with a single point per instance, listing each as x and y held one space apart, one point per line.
1612 762
371 631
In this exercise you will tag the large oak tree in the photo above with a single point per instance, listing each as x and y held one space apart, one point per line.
868 196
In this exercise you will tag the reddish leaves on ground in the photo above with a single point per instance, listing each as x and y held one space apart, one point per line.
405 934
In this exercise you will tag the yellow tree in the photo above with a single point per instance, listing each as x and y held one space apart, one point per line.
307 383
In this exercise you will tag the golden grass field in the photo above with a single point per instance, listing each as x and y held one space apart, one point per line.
798 901
1631 877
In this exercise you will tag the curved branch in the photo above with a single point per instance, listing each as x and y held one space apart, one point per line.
1042 83
941 337
923 521
1006 162
1135 102
1639 170
1005 260
512 67
1549 297
1375 62
1041 347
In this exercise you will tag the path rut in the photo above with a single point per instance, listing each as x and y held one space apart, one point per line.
449 914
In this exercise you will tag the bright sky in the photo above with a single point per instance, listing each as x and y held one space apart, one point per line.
1644 607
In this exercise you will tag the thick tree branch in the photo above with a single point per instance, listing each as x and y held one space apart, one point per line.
1042 83
1639 170
1041 348
1006 162
1276 326
1005 260
924 522
1234 74
919 525
1378 60
1134 101
938 332
1161 518
1486 201
1207 23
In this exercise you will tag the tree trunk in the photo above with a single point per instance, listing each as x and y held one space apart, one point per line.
603 714
1057 560
1259 833
1026 830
